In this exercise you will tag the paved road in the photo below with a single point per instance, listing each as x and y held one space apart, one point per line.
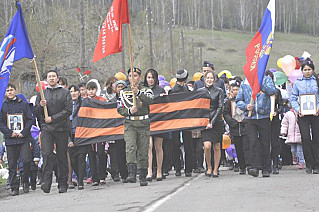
291 190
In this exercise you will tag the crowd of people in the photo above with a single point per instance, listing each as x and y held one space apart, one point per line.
265 133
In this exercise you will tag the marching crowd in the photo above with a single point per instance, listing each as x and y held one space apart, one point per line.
265 133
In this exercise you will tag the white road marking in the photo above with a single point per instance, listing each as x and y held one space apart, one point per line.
161 201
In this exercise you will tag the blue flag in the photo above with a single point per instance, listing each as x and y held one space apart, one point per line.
14 46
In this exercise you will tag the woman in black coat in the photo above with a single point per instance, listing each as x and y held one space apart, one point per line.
213 134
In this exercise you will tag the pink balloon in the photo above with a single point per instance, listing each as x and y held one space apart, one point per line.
288 64
294 75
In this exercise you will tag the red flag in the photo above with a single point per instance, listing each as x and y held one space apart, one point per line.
110 38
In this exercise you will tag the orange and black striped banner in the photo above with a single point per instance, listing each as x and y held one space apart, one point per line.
99 121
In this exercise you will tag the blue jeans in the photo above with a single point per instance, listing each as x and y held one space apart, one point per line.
296 151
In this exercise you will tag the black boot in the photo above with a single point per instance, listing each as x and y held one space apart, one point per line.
132 169
142 177
275 169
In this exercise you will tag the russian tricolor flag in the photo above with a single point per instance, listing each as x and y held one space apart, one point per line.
258 50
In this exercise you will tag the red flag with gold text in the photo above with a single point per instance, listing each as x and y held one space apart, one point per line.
110 38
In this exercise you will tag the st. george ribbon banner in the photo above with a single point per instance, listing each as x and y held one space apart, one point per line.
99 121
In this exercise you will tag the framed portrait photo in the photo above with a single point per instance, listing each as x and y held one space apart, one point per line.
236 113
308 104
15 122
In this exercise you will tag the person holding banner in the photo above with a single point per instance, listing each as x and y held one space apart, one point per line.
258 124
55 129
151 81
136 125
117 148
181 87
308 85
213 134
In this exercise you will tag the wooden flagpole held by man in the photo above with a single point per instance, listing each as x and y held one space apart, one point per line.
131 61
46 115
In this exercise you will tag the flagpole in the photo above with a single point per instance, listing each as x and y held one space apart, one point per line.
131 61
46 115
251 102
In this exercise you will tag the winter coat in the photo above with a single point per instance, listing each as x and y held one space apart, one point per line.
290 127
59 104
179 89
262 104
216 103
303 86
219 84
14 107
157 91
75 110
279 106
236 128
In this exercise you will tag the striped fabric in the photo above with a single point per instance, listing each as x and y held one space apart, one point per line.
99 121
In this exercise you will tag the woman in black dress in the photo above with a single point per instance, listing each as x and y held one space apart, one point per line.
213 134
151 81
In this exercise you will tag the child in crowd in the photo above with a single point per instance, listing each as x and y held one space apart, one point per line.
97 155
290 128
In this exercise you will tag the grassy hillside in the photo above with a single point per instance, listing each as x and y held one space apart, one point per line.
227 49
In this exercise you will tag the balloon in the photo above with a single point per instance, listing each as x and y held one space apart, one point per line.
163 83
279 63
280 78
173 82
272 70
228 73
44 85
231 151
120 76
288 64
294 75
226 141
161 77
197 76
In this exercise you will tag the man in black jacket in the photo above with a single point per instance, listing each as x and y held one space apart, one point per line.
181 87
17 143
55 129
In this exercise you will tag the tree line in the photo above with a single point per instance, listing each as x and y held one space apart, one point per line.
63 33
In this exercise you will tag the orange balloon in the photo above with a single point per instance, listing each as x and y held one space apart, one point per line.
226 141
197 76
173 82
120 76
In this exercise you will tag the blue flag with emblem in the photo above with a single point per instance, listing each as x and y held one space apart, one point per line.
14 46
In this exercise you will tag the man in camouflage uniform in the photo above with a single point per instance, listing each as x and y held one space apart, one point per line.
136 126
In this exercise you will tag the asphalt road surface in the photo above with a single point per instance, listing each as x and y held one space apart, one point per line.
291 190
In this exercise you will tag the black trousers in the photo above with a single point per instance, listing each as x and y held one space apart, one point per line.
15 152
97 158
275 142
118 158
310 146
258 132
241 145
167 155
60 139
78 163
199 153
189 152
